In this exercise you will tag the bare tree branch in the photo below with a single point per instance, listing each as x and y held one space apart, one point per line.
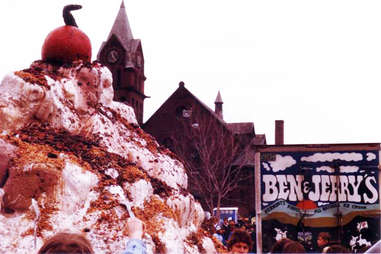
209 150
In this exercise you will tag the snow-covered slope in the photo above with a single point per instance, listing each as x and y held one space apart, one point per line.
71 158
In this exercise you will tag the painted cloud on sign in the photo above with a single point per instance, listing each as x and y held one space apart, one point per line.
282 162
321 157
266 166
343 169
325 168
349 169
370 156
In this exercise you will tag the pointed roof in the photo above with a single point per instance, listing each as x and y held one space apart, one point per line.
242 128
122 31
182 90
121 28
218 98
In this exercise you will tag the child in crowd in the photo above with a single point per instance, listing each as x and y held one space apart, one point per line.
69 243
286 245
135 229
239 242
66 243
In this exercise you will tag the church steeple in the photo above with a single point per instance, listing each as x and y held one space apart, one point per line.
123 55
218 106
121 28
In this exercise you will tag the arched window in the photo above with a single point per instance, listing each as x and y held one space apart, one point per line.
183 112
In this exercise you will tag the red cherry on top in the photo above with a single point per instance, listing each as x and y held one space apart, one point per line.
67 43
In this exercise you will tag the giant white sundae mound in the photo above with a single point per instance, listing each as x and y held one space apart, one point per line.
72 159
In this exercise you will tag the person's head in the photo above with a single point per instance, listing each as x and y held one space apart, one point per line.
335 248
231 224
66 243
286 245
323 239
240 242
219 230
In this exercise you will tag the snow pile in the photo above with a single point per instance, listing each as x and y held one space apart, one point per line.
70 157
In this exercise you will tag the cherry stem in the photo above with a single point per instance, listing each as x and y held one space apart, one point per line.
68 18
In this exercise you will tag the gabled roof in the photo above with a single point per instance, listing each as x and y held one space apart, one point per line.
241 128
235 128
182 88
259 139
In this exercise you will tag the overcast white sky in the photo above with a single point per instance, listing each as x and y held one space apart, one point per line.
314 64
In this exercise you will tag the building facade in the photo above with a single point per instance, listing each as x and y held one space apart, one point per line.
123 55
173 125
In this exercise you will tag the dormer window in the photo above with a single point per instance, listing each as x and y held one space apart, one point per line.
187 113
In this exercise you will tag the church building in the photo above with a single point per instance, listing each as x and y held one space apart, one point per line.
123 55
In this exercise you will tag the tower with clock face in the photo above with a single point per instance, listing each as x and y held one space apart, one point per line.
123 55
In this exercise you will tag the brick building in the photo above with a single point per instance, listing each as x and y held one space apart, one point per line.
167 126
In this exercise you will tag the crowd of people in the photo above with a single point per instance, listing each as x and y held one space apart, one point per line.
237 237
232 234
240 237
